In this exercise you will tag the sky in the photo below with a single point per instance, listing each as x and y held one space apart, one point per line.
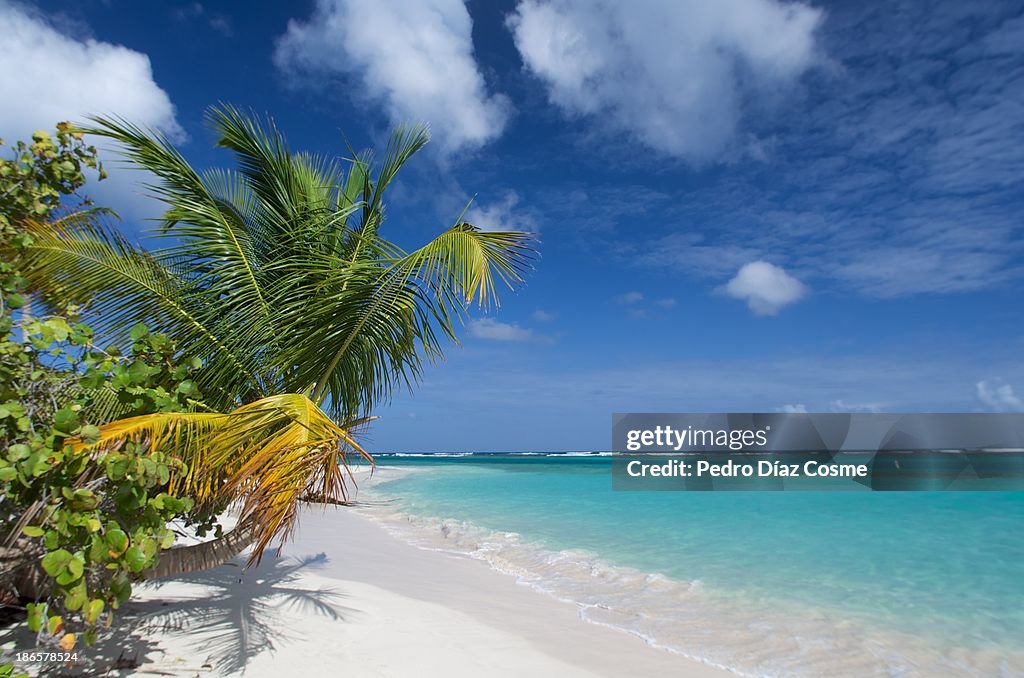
742 205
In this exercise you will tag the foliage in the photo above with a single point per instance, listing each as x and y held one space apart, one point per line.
31 186
95 521
33 183
276 272
269 453
78 527
276 275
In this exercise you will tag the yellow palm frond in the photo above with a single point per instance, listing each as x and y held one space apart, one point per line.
266 455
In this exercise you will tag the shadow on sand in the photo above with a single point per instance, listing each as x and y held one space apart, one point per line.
229 615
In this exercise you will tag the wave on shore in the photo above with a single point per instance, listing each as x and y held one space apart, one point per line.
729 629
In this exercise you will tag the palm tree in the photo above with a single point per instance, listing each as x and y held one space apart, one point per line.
275 274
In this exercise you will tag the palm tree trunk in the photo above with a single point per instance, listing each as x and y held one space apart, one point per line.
209 554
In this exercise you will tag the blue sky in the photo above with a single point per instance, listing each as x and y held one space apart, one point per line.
746 205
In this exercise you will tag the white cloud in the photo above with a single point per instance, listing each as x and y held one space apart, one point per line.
628 298
765 287
501 216
843 406
673 74
999 395
542 316
667 302
217 22
794 409
416 56
489 328
47 76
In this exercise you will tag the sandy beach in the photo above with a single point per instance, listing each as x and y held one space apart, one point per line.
347 597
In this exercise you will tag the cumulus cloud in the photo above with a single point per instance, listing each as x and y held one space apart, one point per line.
502 215
672 74
765 287
47 76
628 298
416 56
999 396
489 328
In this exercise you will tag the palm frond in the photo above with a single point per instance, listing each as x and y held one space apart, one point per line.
383 323
218 244
268 455
84 263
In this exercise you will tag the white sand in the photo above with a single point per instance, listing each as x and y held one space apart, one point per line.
347 598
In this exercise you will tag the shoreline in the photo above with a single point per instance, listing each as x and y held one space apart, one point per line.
347 595
379 592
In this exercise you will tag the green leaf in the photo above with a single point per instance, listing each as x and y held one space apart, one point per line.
139 332
117 541
36 615
117 467
56 562
76 597
66 421
149 548
76 565
136 560
89 434
59 327
121 587
33 531
66 578
139 372
92 378
18 452
92 610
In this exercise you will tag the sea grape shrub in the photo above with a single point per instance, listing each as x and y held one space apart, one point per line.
94 521
33 184
77 527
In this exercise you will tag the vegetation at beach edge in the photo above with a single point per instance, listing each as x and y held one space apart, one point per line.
142 391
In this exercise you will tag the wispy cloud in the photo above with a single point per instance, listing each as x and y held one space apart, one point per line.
673 75
842 406
628 298
568 406
215 20
896 173
542 316
414 56
503 215
999 396
489 328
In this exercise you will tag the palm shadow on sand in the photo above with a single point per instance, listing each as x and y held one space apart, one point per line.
228 614
237 613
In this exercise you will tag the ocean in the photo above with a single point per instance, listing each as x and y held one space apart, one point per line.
764 583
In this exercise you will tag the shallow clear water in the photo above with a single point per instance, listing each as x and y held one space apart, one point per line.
781 583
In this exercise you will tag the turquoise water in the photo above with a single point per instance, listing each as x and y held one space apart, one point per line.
927 583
